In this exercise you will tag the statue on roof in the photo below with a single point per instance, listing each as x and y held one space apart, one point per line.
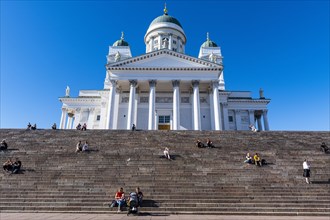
117 56
213 58
67 91
261 93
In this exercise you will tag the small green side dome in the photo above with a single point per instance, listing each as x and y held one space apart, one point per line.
208 42
120 42
165 18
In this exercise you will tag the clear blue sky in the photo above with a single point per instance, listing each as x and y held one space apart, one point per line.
281 46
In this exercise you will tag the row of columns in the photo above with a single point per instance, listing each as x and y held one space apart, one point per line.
152 100
254 117
265 119
64 123
170 43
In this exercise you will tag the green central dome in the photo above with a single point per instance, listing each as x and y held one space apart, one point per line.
165 18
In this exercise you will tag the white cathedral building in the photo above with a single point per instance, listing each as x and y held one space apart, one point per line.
164 89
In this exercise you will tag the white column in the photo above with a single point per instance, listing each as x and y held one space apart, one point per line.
63 118
264 115
225 116
160 42
91 118
259 122
238 120
251 116
176 104
131 102
151 118
151 44
179 44
111 103
170 42
211 108
196 105
216 105
70 120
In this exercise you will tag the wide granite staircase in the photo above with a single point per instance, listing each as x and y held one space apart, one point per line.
197 181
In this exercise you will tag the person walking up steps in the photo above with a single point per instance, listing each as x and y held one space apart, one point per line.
307 171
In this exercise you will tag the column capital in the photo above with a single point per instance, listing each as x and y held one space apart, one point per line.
195 83
176 83
215 83
71 114
133 82
251 111
152 83
113 82
265 111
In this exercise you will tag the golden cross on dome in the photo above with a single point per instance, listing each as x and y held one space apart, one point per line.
165 10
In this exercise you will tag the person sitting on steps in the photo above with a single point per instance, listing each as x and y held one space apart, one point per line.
253 128
324 148
199 144
85 146
139 195
133 127
120 199
54 126
3 145
209 143
28 126
8 165
167 153
34 127
16 166
248 158
257 160
84 127
78 147
78 127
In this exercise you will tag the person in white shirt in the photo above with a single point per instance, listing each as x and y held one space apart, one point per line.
167 153
253 128
306 174
85 146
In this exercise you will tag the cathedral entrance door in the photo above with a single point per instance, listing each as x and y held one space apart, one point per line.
164 122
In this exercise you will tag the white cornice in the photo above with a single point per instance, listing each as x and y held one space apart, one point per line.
261 101
121 64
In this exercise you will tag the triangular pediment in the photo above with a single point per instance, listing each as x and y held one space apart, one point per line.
165 59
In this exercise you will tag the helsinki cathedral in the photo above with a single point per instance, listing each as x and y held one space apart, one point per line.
164 89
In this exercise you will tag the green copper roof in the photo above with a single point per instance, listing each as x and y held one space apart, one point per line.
166 18
120 43
209 43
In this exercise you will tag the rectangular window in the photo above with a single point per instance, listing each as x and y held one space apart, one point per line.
174 42
164 119
98 118
230 118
